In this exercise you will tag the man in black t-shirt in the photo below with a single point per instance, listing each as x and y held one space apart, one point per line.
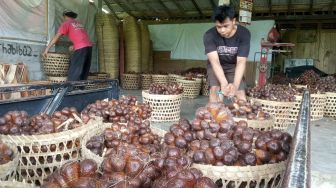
227 46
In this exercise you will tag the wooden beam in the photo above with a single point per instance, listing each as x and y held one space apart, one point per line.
152 9
132 4
197 8
332 4
124 8
213 4
289 4
179 7
112 11
311 4
165 8
270 6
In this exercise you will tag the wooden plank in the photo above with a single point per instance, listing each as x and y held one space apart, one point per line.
177 4
111 9
165 8
124 8
197 8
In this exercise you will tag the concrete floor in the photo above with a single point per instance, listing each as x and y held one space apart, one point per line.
323 141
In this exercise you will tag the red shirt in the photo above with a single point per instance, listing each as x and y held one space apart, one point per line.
76 33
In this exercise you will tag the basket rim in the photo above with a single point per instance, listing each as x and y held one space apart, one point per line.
267 123
196 80
270 102
33 139
242 169
145 93
16 184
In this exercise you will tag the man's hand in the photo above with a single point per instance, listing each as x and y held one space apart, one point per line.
45 53
232 90
225 89
71 48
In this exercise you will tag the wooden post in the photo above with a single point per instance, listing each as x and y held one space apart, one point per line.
100 6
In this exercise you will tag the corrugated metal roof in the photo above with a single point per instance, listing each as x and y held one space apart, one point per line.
202 9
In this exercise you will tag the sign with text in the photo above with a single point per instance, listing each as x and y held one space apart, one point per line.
29 54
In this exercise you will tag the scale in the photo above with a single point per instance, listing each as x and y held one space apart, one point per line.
266 48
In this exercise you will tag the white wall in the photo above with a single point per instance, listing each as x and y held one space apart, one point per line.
185 41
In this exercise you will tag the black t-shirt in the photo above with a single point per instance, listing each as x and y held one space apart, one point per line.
228 48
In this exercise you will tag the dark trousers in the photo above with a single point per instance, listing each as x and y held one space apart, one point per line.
80 64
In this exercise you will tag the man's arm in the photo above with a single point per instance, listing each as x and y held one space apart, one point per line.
239 72
218 70
52 42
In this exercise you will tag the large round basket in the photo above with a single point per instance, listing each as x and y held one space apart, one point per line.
15 184
57 79
281 112
130 81
98 76
317 105
7 171
269 175
88 154
146 80
205 87
41 155
164 107
263 125
160 79
56 64
173 77
191 88
330 107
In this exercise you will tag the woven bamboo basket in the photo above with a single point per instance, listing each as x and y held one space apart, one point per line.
173 77
269 175
281 112
98 76
55 79
8 170
164 107
15 184
108 44
160 78
205 87
56 64
330 107
317 106
41 155
145 46
88 154
132 44
146 80
263 125
130 81
191 88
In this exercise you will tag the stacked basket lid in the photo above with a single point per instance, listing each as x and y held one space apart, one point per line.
56 66
130 81
132 45
108 44
165 107
146 80
191 88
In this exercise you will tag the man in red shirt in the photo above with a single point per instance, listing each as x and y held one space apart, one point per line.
81 58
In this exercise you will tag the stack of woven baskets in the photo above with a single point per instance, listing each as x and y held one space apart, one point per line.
108 44
56 66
